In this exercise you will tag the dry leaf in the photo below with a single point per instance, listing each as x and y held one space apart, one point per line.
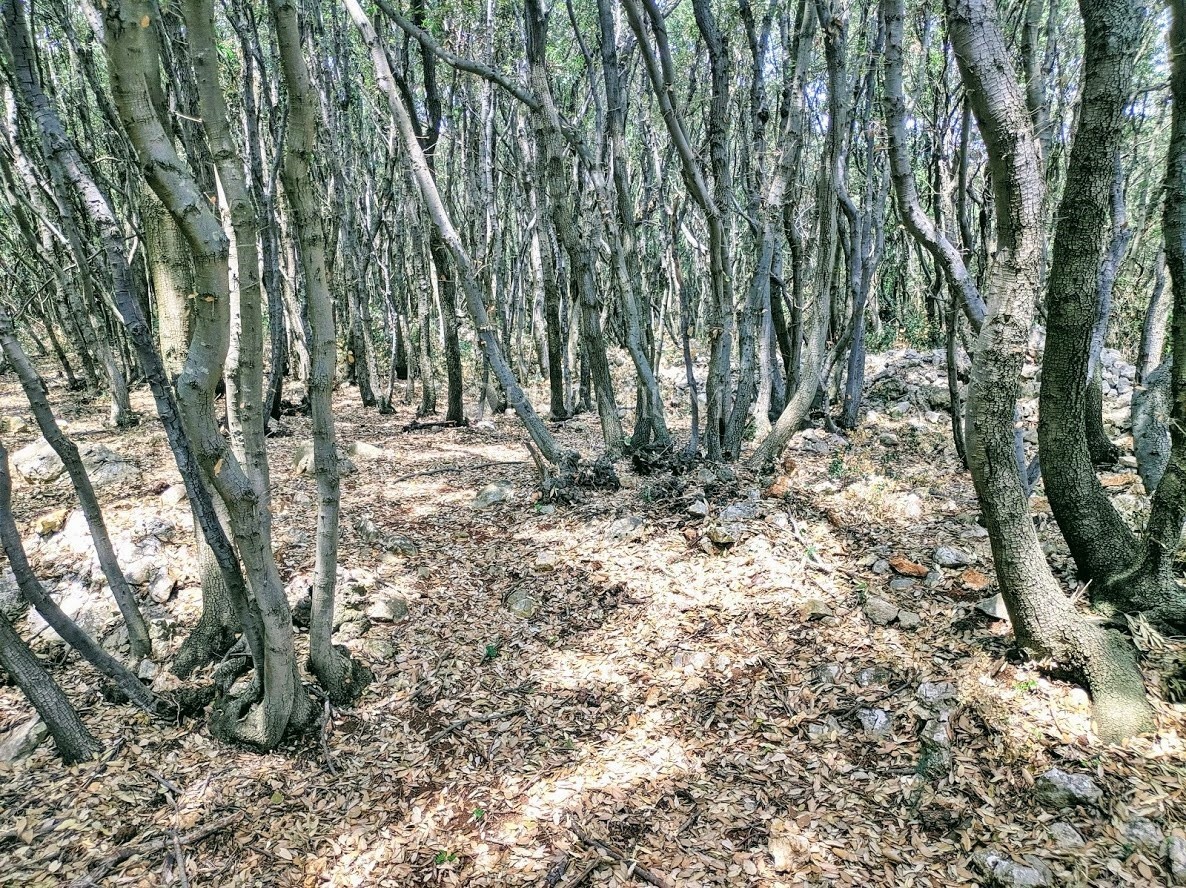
907 568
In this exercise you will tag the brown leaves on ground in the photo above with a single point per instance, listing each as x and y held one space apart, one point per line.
907 568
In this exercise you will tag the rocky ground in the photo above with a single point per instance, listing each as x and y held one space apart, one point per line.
717 679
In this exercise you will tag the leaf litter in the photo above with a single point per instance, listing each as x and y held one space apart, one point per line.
681 699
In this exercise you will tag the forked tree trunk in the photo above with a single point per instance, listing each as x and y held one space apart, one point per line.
1044 619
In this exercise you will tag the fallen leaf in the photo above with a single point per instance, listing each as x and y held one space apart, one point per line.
907 568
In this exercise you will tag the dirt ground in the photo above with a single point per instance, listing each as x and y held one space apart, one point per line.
608 693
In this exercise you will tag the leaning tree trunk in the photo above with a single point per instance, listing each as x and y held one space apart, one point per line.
138 641
342 678
75 743
1044 619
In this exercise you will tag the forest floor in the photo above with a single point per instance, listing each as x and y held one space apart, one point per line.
619 691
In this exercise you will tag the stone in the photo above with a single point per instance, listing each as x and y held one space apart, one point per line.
815 609
825 730
879 611
698 509
398 544
545 509
901 584
948 556
888 439
379 649
351 630
934 692
13 424
1175 853
107 468
900 409
875 722
911 506
828 674
387 609
494 492
993 607
484 425
934 579
626 528
909 619
19 742
1065 835
1006 873
161 588
935 757
873 675
174 495
880 566
522 603
1143 833
546 561
363 450
37 463
148 670
1058 789
741 511
12 603
705 475
723 534
51 522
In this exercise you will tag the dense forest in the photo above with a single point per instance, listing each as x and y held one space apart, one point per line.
680 441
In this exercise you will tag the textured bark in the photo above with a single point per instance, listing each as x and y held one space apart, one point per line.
75 743
342 678
1156 320
1043 617
1096 534
138 640
276 703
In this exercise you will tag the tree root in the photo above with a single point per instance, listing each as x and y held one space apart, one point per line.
208 642
346 678
241 720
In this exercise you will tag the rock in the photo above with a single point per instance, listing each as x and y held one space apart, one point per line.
522 603
107 468
934 692
901 584
37 463
705 475
161 588
351 614
900 409
993 607
698 509
484 425
880 566
873 675
148 670
909 619
138 573
623 529
1065 835
12 603
1006 873
741 511
827 674
379 649
825 730
545 509
1058 789
19 742
174 495
875 722
815 609
13 424
723 534
387 609
911 506
935 757
888 439
51 522
494 492
946 556
879 611
1143 833
1175 852
934 579
546 561
351 630
363 450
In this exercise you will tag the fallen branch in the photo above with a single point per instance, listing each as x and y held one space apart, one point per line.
458 725
635 867
416 425
171 843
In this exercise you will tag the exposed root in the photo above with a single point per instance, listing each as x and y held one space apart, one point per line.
345 679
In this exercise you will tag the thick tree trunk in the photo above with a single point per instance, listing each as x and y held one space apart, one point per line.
1043 617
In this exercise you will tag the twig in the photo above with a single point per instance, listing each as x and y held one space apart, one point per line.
416 425
166 783
588 871
458 725
108 863
425 474
179 859
638 869
325 723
